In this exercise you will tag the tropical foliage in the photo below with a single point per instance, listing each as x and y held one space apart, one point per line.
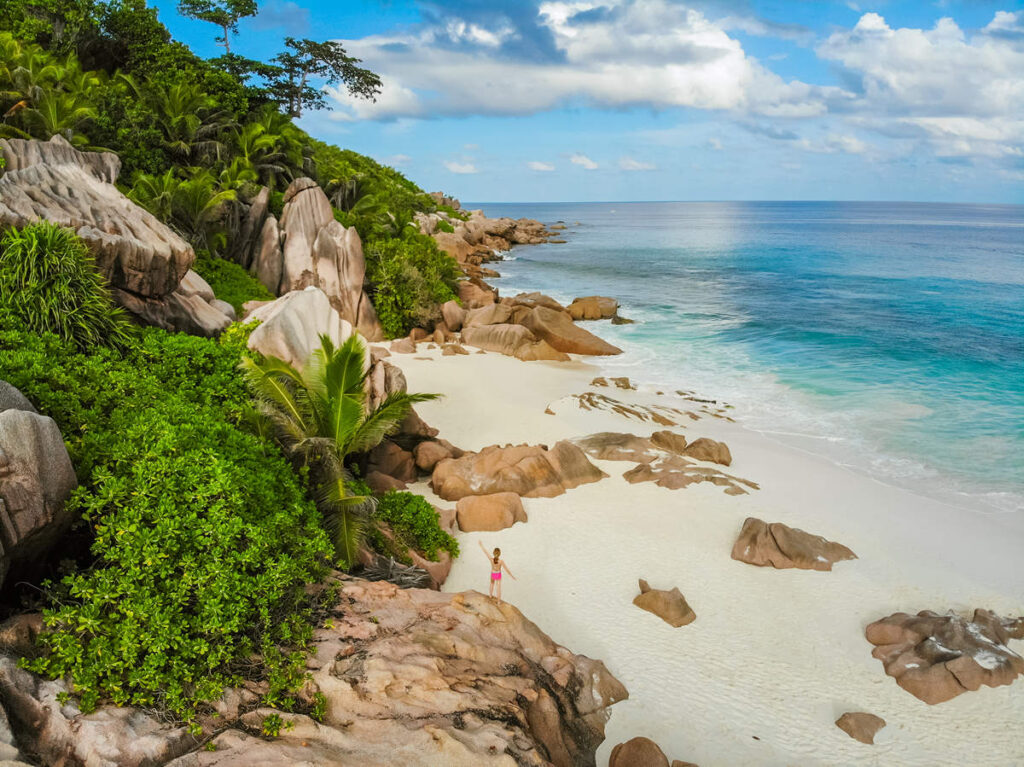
49 283
320 415
410 278
415 523
203 538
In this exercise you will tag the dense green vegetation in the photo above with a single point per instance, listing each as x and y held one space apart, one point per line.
203 536
410 278
230 282
49 283
320 416
415 524
198 138
202 518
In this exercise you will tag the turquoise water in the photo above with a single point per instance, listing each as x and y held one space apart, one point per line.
887 336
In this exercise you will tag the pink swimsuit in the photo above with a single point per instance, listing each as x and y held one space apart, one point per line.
496 576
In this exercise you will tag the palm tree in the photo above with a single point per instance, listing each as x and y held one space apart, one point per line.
195 207
320 416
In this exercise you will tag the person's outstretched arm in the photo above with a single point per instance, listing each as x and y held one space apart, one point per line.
507 570
481 545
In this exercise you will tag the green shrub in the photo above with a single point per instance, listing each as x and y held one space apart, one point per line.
230 282
204 538
410 277
444 226
415 523
49 283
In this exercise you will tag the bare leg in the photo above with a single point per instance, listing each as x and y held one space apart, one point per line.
490 591
499 592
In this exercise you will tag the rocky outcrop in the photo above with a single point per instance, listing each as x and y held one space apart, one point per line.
860 725
390 459
489 512
246 244
670 606
512 340
290 327
780 546
59 734
593 308
315 250
616 446
408 676
675 472
491 314
36 478
143 260
454 315
558 330
638 752
938 657
474 294
429 452
531 471
705 449
663 415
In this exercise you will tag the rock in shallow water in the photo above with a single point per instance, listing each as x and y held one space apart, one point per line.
938 657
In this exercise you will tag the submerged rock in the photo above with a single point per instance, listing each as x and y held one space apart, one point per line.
780 546
937 657
593 308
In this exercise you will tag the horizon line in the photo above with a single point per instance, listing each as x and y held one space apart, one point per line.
645 202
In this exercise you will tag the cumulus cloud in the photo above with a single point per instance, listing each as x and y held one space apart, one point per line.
460 167
583 161
606 53
628 163
540 166
959 93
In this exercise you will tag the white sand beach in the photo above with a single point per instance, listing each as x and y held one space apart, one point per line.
775 656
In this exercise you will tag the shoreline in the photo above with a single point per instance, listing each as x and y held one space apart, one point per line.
968 493
583 551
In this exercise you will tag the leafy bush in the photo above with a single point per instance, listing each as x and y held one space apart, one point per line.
230 282
444 226
49 283
411 278
204 538
415 523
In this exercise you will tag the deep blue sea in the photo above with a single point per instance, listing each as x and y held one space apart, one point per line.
888 336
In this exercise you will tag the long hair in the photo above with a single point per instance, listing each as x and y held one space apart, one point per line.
497 556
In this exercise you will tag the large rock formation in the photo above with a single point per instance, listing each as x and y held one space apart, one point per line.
512 340
290 327
558 329
531 471
642 752
496 511
780 546
308 247
409 677
141 258
36 478
593 308
937 657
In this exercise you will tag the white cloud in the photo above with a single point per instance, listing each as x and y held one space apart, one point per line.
610 53
540 166
628 163
715 144
460 167
583 161
833 144
937 71
397 159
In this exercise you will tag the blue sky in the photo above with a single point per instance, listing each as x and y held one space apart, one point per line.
665 100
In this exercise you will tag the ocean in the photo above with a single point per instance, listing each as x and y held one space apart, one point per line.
888 337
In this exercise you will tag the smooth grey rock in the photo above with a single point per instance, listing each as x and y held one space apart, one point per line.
36 478
243 248
290 327
12 399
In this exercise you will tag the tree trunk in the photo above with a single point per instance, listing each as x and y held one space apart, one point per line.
227 41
